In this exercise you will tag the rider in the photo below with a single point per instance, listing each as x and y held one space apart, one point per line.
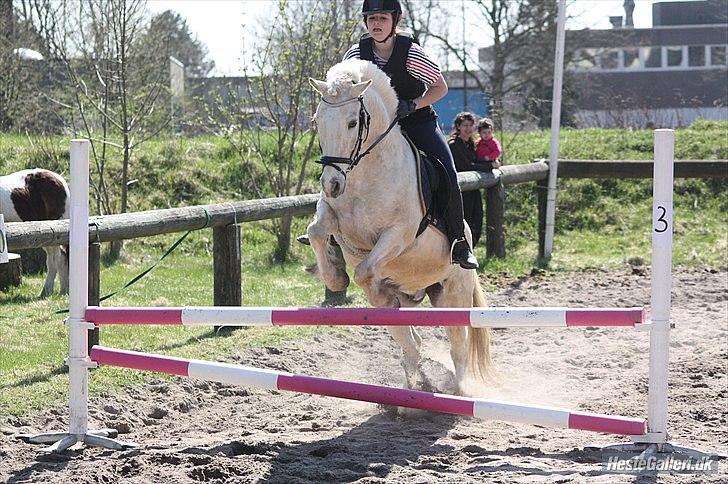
418 83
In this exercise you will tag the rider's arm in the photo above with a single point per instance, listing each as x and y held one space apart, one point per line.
421 67
434 93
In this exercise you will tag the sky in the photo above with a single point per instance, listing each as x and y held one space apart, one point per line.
219 23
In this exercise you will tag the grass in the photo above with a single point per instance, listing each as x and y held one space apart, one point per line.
34 340
601 223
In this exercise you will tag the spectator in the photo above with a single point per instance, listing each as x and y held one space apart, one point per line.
488 150
462 146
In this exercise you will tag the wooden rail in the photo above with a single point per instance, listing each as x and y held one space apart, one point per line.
640 169
27 235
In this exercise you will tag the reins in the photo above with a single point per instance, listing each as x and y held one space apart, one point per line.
355 156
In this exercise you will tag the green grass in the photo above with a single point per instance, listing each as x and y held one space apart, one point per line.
34 340
601 223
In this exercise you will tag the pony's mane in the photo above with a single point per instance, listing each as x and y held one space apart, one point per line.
342 75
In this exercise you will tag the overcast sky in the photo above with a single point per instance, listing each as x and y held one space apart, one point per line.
218 23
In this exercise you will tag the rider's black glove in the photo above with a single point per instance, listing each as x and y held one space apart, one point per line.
405 108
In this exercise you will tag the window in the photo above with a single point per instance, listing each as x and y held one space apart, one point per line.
652 56
696 55
631 58
674 56
609 59
717 55
585 59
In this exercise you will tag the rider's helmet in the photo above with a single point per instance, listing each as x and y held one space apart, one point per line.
381 6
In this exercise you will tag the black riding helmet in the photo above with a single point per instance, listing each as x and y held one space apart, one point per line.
380 6
383 6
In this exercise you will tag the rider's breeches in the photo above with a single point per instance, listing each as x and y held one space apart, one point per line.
429 139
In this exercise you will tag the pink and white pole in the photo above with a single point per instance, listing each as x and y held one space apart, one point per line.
276 380
505 317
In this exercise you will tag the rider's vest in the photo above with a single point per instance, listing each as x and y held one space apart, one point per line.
405 85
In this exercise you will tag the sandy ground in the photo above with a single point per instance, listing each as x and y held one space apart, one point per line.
194 431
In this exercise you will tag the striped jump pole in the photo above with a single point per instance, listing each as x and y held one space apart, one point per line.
555 317
434 402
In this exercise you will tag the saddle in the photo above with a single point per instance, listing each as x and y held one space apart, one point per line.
433 189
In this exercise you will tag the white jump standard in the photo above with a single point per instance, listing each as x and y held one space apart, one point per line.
648 434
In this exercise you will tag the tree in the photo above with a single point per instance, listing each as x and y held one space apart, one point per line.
20 108
115 87
9 82
266 119
520 59
169 35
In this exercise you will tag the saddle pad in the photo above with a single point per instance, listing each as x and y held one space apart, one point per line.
429 176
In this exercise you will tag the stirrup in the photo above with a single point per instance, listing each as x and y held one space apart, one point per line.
466 260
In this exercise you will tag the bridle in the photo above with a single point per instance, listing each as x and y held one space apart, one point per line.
356 155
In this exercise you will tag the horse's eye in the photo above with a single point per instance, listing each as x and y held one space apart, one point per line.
352 124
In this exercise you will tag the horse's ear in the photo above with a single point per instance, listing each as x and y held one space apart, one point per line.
320 86
358 89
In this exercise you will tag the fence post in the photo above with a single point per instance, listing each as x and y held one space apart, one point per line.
541 196
94 286
495 240
226 266
226 263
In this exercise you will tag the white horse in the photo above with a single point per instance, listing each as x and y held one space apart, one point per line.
370 204
39 194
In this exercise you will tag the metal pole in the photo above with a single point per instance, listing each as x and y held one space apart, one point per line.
3 241
465 66
555 124
662 228
78 360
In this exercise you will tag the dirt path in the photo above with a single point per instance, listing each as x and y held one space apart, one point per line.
194 431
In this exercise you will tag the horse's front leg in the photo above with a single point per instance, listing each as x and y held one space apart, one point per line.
368 273
330 267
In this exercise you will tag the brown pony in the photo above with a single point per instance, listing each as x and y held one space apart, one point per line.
39 194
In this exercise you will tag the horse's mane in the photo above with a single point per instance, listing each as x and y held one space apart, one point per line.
340 77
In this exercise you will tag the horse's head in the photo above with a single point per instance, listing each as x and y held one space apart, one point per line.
344 120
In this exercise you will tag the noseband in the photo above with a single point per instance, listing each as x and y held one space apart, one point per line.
356 155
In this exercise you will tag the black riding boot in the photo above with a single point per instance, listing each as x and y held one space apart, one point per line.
459 249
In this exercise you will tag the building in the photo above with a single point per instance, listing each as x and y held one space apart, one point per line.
665 76
463 94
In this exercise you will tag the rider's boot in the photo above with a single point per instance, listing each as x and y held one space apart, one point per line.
462 254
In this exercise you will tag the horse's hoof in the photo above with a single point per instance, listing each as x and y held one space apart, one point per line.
406 412
389 410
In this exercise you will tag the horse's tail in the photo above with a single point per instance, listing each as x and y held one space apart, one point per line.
479 360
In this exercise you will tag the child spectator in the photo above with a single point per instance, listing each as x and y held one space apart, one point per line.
488 149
